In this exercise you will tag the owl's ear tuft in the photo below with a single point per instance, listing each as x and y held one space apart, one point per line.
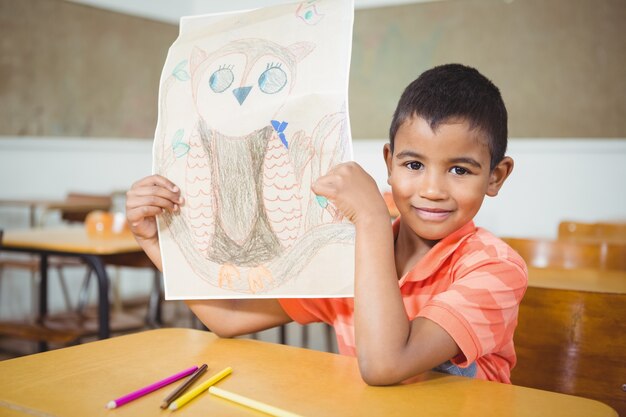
301 49
197 56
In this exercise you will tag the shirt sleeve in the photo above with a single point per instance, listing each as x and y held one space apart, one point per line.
296 309
311 310
479 309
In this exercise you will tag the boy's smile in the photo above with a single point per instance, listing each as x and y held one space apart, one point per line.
439 178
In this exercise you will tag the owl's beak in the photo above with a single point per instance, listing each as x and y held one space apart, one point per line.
241 93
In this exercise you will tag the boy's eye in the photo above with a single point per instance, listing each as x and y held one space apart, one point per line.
459 171
414 165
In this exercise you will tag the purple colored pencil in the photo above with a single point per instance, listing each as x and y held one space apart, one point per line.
152 387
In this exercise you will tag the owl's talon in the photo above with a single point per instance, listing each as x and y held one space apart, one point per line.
226 275
257 277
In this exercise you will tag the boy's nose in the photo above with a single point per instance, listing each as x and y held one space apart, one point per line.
433 187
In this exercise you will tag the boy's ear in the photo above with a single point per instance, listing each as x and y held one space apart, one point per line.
498 175
387 154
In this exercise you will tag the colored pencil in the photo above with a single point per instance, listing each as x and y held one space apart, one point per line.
200 389
250 403
183 387
152 387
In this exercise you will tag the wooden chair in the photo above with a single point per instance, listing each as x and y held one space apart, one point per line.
590 232
76 207
573 342
541 253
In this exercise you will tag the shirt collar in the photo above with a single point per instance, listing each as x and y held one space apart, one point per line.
438 254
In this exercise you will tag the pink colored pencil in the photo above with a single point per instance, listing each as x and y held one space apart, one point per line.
153 387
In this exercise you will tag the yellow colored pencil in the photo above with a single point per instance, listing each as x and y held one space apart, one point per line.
254 404
200 389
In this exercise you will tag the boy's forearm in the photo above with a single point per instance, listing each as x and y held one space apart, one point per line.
381 323
215 315
152 249
235 317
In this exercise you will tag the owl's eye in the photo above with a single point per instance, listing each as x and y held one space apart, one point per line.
221 79
273 79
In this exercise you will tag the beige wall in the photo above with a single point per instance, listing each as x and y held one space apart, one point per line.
73 70
560 64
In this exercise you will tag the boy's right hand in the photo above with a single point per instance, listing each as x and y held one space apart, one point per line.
146 198
154 195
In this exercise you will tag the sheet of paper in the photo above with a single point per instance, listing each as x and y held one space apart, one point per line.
253 108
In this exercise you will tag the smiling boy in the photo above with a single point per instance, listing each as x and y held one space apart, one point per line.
432 291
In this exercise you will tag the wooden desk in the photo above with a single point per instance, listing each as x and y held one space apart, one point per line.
80 380
571 334
121 250
592 280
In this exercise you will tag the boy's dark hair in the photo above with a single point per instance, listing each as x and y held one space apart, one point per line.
455 91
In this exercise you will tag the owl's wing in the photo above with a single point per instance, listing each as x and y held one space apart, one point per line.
281 195
301 152
330 140
199 204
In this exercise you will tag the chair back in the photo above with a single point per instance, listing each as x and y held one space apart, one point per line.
79 205
543 253
573 342
603 231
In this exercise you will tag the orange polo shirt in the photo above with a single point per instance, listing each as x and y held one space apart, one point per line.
470 283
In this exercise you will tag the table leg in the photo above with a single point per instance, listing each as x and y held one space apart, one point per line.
43 287
32 208
95 262
154 318
43 295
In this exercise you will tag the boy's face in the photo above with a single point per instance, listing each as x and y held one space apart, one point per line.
439 179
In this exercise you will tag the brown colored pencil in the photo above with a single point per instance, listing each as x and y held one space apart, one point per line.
183 387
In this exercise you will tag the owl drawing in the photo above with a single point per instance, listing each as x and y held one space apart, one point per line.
250 220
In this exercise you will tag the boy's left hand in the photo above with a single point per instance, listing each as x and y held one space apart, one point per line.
353 192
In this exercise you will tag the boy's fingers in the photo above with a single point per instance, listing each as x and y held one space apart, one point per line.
156 180
139 213
329 185
152 201
323 187
157 191
150 194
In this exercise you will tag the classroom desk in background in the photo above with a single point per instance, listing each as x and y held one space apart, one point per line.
74 242
591 280
80 380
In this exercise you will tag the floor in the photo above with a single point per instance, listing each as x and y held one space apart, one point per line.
131 317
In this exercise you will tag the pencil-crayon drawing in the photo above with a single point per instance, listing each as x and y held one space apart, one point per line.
309 13
235 134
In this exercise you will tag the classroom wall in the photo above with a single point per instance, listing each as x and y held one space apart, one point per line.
553 179
73 70
78 90
560 64
68 69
